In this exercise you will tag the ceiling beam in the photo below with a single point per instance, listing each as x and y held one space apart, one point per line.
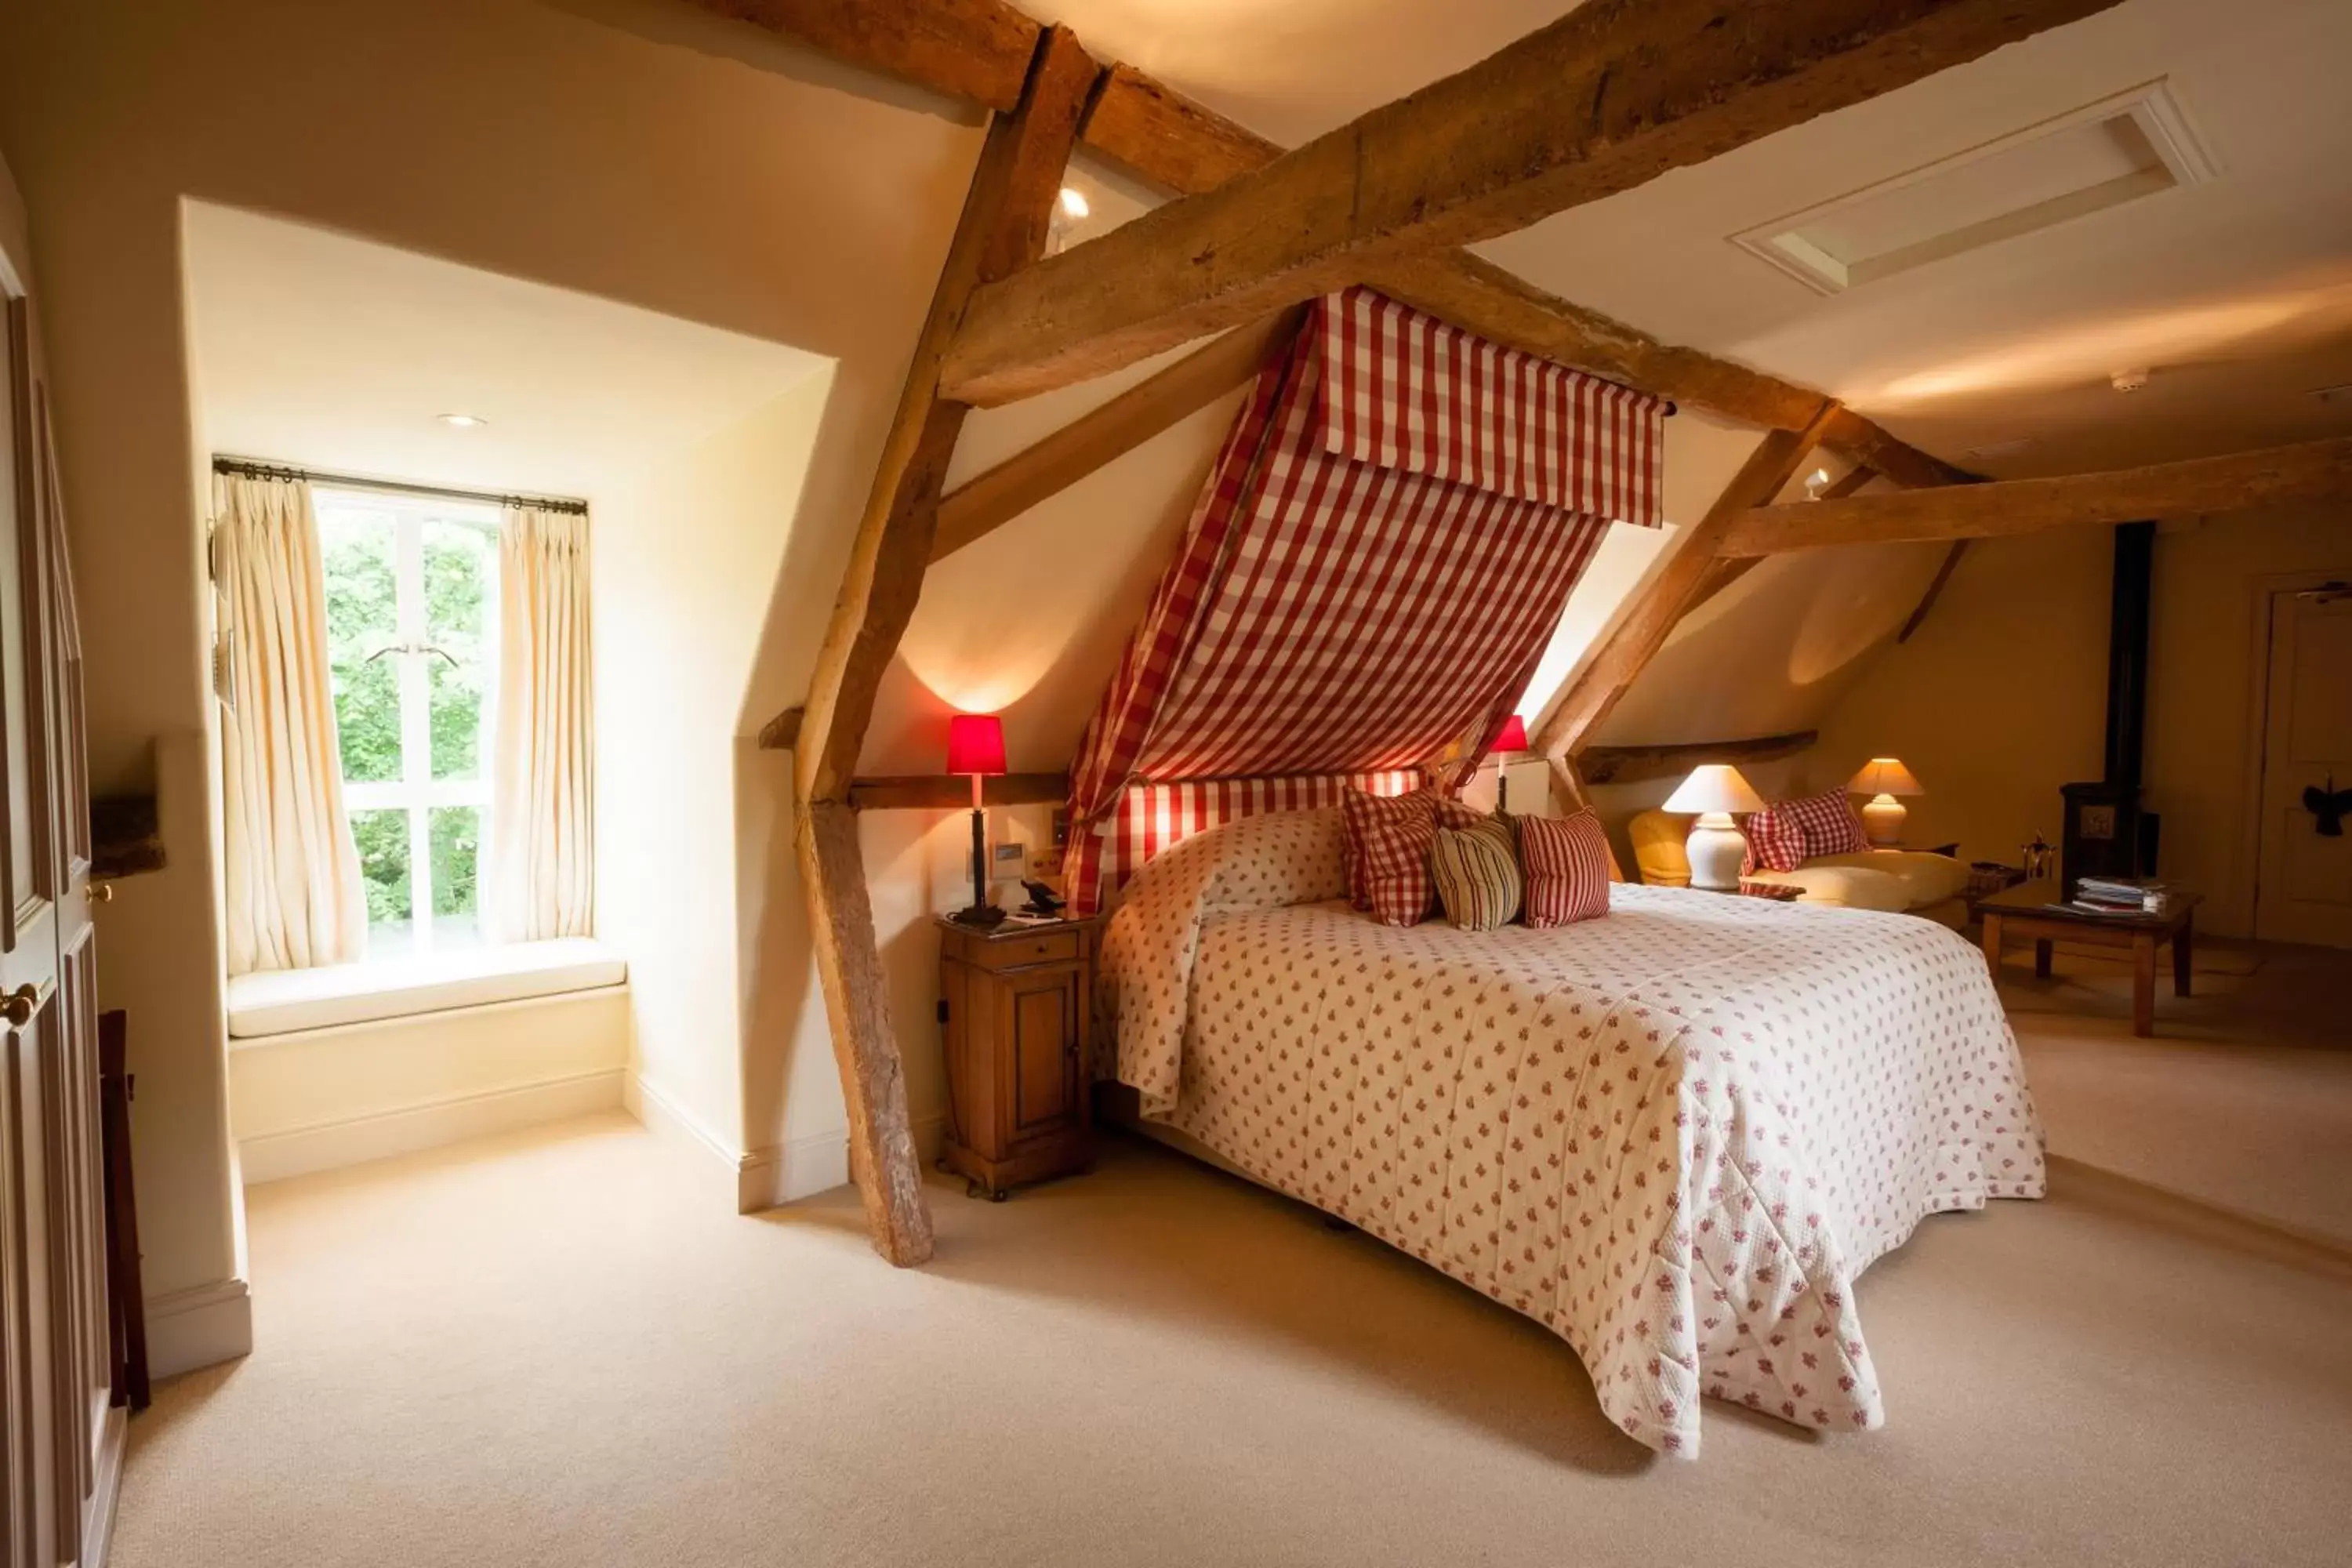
2313 472
1606 98
1918 616
975 49
966 49
1656 608
1644 765
1179 145
983 504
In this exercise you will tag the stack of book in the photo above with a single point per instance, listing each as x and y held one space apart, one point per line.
2122 896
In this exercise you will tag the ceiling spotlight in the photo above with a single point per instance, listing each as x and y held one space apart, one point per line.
2128 380
463 421
1815 483
1074 202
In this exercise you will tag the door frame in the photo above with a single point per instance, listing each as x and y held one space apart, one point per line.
2263 594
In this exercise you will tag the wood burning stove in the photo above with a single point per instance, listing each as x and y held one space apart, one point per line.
2107 832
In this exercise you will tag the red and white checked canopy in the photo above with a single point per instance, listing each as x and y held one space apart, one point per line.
1383 549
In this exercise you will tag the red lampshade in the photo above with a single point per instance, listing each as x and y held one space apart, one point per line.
975 743
1514 737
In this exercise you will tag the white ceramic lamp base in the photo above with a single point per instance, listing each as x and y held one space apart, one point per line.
1716 847
1882 821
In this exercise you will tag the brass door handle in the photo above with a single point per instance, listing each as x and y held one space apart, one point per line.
101 892
17 1008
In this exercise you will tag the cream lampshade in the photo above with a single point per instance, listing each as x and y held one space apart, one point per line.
1715 845
1882 779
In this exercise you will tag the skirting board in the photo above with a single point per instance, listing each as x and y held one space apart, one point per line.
189 1329
301 1151
778 1173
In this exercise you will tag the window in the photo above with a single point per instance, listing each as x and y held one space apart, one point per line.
412 630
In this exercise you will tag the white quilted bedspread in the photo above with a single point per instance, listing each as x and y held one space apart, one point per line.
1675 1135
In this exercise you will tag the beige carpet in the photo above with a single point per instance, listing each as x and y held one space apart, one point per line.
2242 1098
548 1350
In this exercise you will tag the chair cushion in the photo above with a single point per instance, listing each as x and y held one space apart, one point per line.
1477 874
1926 878
1854 887
1659 852
1830 823
1565 860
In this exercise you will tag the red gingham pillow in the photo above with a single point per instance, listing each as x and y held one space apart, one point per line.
1828 822
1565 859
1776 842
1389 840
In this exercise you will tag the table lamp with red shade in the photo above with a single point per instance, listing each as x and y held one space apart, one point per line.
976 747
1513 737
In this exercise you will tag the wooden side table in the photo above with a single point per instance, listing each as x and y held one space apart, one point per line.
2036 909
1015 1003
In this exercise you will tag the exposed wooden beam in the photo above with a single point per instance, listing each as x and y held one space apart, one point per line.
1642 628
941 792
1641 764
782 732
976 49
1002 229
1179 145
2313 472
1918 617
982 505
1172 140
1606 98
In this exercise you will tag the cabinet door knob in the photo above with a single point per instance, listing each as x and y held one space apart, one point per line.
18 1006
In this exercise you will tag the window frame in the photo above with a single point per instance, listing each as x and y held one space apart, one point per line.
416 793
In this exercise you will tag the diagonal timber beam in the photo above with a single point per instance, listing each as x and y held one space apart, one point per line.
1184 147
1002 229
1608 98
976 49
2312 471
1918 616
1642 629
987 502
1727 570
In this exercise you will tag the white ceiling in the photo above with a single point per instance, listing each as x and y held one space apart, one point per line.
2237 292
326 351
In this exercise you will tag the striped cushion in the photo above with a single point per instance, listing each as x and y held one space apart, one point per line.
1566 863
1477 874
1389 840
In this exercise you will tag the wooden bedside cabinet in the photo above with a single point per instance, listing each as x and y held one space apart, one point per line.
1017 1003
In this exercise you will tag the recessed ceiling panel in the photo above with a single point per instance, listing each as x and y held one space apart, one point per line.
2118 150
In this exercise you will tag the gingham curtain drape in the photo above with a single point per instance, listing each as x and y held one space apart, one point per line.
1383 551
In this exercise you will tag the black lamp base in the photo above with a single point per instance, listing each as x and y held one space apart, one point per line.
982 914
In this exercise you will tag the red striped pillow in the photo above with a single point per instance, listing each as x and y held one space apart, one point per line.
1389 840
1565 859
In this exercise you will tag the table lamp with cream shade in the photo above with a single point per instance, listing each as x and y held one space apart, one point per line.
1882 779
1716 845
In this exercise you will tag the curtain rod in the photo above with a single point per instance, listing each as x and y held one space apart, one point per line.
253 469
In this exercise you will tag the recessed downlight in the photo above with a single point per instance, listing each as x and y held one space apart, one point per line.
462 421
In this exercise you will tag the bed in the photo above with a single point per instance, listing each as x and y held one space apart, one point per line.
1676 1136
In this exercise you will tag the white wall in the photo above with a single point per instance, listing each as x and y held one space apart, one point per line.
683 563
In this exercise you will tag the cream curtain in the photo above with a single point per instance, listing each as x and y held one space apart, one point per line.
541 882
294 896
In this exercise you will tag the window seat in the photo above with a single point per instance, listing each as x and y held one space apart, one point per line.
283 1001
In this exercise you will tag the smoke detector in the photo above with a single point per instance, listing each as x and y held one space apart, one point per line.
2128 380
